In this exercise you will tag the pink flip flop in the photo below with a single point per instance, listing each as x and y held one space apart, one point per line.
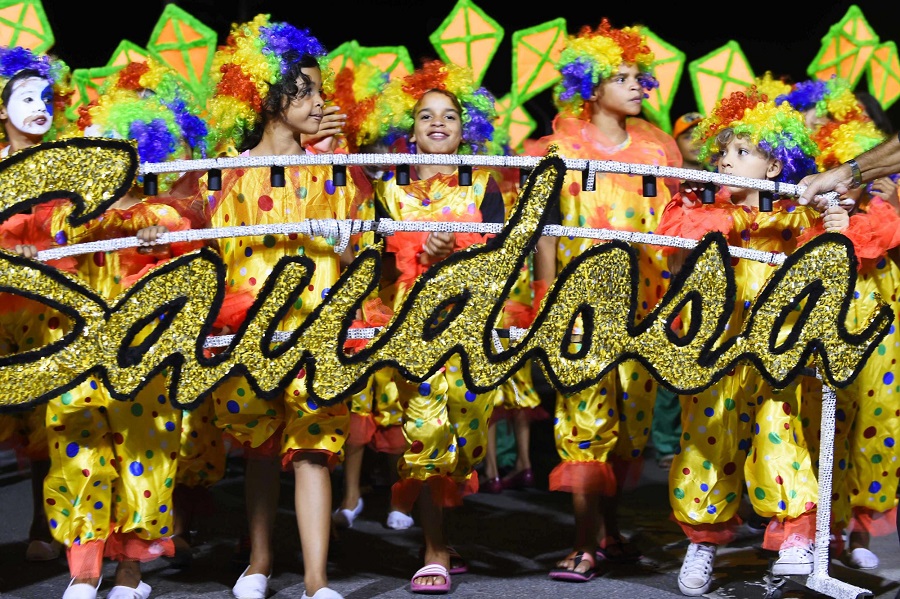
572 575
430 589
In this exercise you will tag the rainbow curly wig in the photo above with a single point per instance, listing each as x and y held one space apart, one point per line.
145 101
594 55
396 103
257 55
356 92
839 142
832 98
778 130
771 87
15 59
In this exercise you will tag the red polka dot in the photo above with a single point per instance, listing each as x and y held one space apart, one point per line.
147 494
302 373
51 502
574 189
417 447
574 431
86 473
252 281
265 203
729 468
787 426
685 471
100 258
53 323
227 217
786 408
477 451
809 505
869 432
311 287
696 500
118 439
711 440
779 480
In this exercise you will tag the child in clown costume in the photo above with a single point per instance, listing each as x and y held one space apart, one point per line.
865 439
109 490
375 413
268 95
442 111
605 75
746 135
35 91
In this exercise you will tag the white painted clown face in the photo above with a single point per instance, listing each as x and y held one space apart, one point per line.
30 106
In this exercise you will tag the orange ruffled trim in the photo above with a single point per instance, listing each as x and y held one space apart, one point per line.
389 440
289 455
234 310
444 491
129 546
86 559
718 533
362 429
877 524
375 314
589 478
777 531
407 246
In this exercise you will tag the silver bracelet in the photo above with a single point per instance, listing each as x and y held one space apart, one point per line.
855 173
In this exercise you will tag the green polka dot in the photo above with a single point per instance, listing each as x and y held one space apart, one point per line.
882 499
253 424
103 460
269 241
759 493
796 466
878 411
85 434
707 465
629 213
149 454
241 198
302 192
639 416
136 517
793 494
882 350
730 497
582 405
169 482
66 398
876 459
419 423
271 413
582 221
678 493
634 376
474 424
136 409
686 436
240 392
729 404
315 429
63 489
459 383
773 438
298 304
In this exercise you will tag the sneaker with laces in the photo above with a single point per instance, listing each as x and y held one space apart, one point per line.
695 577
795 557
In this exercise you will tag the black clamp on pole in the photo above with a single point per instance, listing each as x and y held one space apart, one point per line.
465 175
151 184
214 179
708 194
648 186
339 175
277 176
402 174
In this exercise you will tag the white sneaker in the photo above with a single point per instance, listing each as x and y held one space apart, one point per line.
344 518
696 571
81 590
863 559
323 593
251 586
795 557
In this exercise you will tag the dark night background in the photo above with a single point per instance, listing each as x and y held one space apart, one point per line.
781 37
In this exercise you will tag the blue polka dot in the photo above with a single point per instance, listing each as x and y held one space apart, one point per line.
462 441
248 251
71 450
704 487
424 389
164 530
584 445
136 468
782 505
842 464
709 412
163 509
161 399
470 397
311 404
452 448
756 429
53 523
611 412
874 487
711 509
745 417
170 426
329 187
233 407
98 505
889 442
840 415
434 455
94 385
744 445
888 377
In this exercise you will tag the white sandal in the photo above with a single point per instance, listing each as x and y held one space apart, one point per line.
344 518
123 592
81 590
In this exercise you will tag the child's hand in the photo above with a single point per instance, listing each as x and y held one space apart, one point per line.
836 219
437 246
332 124
26 250
886 189
151 233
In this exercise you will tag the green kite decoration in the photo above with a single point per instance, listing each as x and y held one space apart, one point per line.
668 67
127 51
468 37
722 71
535 52
87 83
845 49
24 23
883 74
186 45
